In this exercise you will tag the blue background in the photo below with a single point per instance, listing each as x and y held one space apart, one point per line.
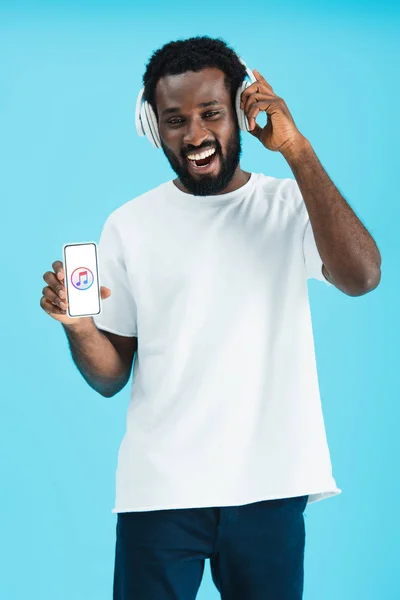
70 155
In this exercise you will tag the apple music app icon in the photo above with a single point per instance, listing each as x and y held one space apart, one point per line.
82 278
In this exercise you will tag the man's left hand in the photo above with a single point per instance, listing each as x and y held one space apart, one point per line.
280 131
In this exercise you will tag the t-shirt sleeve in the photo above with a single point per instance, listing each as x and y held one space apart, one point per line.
312 259
119 312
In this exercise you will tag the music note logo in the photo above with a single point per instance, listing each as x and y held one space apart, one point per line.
82 278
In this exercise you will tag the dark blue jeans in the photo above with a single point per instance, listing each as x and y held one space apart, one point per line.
256 551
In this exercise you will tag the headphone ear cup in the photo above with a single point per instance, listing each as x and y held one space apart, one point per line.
242 119
138 114
148 123
142 123
153 125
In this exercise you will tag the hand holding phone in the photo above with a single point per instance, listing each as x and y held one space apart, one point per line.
54 300
82 279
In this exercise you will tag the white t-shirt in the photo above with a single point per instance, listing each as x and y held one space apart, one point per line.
225 406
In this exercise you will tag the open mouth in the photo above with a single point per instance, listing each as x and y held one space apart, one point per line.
205 161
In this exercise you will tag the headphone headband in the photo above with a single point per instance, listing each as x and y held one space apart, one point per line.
249 73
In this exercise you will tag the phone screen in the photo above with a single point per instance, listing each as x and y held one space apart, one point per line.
82 279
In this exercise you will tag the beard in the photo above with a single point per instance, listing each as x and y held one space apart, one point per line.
208 185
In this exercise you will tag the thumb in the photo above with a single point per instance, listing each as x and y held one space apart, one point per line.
256 131
104 292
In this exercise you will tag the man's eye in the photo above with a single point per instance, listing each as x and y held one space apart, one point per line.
208 114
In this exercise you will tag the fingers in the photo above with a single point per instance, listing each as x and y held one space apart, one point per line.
260 78
253 108
58 269
55 282
54 296
49 308
257 131
260 87
54 299
265 103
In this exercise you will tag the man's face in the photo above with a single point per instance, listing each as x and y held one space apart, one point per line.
186 127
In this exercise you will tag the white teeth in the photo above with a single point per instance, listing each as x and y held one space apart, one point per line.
202 154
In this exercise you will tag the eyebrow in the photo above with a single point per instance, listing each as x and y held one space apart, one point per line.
176 109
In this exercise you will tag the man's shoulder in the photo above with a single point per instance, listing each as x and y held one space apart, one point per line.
280 189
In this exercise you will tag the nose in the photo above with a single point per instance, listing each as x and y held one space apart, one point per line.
195 133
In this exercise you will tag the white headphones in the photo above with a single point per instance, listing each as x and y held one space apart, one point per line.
146 120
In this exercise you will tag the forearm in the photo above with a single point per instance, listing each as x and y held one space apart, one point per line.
96 358
348 251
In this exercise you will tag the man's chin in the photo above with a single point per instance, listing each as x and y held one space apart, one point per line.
204 185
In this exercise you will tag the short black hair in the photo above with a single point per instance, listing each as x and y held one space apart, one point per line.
193 54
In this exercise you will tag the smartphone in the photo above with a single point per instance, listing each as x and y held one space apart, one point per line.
81 279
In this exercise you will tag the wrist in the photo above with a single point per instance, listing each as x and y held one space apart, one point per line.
81 325
298 149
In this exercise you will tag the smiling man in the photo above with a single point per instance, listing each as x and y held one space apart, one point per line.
203 169
205 279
